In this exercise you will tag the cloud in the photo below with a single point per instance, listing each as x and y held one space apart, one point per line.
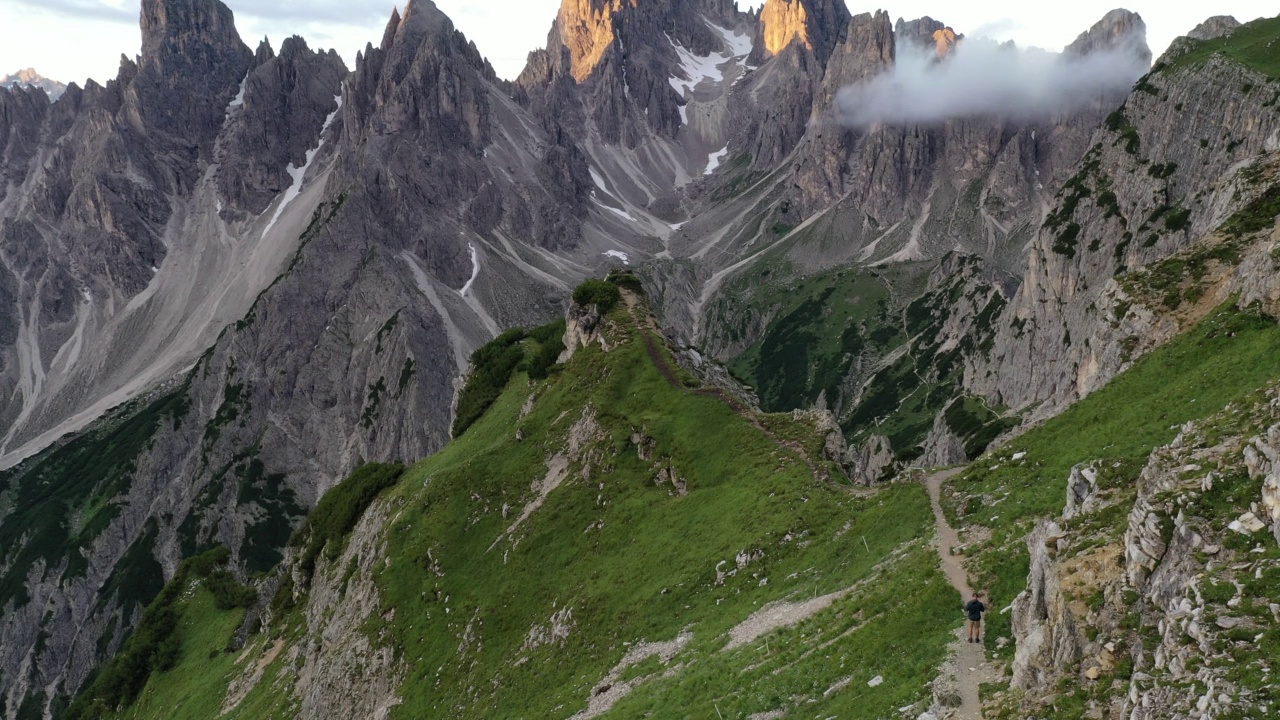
996 29
342 12
83 9
986 78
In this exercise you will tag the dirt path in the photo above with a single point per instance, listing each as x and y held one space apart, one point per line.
967 667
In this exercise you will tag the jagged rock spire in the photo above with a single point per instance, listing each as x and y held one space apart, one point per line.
191 66
1117 31
815 25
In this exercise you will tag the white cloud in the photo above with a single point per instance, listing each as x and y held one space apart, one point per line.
983 77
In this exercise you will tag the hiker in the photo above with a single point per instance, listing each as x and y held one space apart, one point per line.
975 608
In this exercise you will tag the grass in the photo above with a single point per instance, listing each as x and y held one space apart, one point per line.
625 558
157 645
1224 358
871 633
1249 45
633 561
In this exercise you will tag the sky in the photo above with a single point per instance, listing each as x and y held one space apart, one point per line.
71 40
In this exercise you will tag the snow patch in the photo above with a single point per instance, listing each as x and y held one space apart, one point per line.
626 260
238 100
475 269
739 45
620 213
696 69
299 173
715 159
598 179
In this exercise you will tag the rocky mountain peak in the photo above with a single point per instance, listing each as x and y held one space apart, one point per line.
815 25
191 66
869 48
30 78
1120 31
1215 27
421 51
945 41
918 32
586 28
171 27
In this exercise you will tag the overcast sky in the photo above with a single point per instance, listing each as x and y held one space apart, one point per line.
70 40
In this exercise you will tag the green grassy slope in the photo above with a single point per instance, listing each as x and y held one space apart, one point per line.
1223 359
614 558
1250 45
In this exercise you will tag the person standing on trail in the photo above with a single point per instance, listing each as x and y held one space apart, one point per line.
974 609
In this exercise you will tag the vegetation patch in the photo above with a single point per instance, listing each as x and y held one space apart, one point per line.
977 424
1257 216
1118 122
1181 278
645 568
824 327
65 497
156 643
327 526
493 365
601 293
1249 45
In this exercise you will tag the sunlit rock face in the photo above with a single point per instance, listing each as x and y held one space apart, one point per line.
946 41
811 24
586 27
783 23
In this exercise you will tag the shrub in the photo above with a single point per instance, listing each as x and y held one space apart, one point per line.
1067 240
327 526
156 643
626 279
1178 219
1258 215
491 369
550 340
604 295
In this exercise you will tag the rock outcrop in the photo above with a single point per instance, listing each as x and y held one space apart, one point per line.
1213 28
1152 616
1262 458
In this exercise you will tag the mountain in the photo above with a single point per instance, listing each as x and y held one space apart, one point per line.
231 277
593 563
31 78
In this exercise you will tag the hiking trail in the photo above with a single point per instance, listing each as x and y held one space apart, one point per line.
967 666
